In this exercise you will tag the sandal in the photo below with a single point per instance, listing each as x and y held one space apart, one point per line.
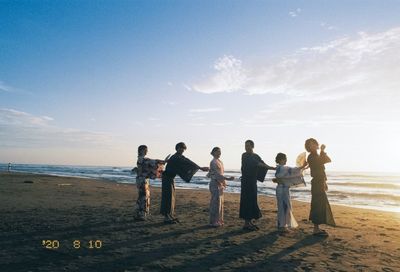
254 225
321 233
169 221
250 228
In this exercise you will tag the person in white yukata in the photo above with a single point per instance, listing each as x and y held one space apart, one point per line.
285 176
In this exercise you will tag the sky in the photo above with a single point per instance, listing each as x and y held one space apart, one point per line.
87 82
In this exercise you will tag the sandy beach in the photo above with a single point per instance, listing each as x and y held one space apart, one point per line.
70 224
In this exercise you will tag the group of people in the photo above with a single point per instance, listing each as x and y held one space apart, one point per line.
253 169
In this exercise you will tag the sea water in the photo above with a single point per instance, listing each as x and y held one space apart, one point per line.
379 191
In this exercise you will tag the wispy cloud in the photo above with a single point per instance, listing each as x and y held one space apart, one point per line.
295 13
10 89
229 77
222 124
205 110
328 26
170 103
22 129
366 63
187 87
197 124
323 120
5 88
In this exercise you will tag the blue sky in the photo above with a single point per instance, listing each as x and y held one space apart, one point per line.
86 82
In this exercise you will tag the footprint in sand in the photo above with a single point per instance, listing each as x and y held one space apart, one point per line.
382 234
358 236
335 255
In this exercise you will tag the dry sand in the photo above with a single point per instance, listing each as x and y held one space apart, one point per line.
68 209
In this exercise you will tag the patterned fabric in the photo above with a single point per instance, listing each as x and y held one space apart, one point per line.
287 176
143 201
148 168
217 185
285 215
216 204
290 176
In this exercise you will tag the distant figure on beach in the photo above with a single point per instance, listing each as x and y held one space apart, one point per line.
146 169
217 186
253 169
177 165
321 212
285 177
9 167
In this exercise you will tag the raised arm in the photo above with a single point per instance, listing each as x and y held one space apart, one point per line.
323 156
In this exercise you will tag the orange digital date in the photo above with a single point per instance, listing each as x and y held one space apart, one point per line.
77 244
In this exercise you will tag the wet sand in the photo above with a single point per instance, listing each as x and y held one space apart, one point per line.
42 216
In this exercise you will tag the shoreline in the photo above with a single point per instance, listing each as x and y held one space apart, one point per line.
67 209
371 208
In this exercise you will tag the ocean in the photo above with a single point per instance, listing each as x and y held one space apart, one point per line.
379 191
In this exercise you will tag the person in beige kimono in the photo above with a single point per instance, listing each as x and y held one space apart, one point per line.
217 186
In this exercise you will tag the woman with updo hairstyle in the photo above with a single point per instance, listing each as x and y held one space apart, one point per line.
320 212
217 186
146 169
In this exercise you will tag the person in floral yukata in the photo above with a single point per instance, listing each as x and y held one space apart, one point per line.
146 169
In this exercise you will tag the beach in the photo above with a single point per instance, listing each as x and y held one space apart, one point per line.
54 223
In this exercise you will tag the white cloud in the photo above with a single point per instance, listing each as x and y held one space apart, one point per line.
295 13
187 87
229 77
7 88
222 124
197 124
21 129
4 87
366 63
170 103
205 110
328 26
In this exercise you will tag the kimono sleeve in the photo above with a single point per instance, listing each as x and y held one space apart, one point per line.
261 171
288 172
186 169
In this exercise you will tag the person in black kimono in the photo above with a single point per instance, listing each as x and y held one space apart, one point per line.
253 169
320 212
183 167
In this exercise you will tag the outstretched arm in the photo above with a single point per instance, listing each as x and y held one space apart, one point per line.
288 172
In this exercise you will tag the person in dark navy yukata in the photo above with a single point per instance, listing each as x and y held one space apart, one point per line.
320 212
253 169
183 167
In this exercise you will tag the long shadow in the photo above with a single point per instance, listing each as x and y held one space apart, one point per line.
229 254
99 229
141 257
271 261
62 256
102 228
